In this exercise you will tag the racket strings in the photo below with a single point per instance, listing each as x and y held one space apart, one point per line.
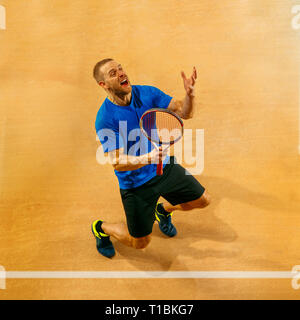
162 127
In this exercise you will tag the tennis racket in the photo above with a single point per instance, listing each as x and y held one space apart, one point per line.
161 127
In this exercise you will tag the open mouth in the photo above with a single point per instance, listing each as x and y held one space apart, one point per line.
124 83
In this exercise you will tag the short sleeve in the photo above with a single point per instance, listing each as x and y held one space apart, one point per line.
160 99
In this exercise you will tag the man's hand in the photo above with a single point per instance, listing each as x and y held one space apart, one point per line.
184 108
189 82
156 156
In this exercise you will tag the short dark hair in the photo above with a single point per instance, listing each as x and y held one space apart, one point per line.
96 73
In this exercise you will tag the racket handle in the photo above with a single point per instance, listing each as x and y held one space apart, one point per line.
159 169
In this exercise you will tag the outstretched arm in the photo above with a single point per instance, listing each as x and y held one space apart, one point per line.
184 108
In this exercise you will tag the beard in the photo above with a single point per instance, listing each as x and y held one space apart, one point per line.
121 91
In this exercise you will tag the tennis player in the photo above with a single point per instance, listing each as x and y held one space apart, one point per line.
135 161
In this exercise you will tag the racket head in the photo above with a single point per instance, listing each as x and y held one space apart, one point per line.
161 126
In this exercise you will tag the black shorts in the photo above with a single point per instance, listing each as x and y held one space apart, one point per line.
139 203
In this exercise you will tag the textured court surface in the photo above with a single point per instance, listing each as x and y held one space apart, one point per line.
52 188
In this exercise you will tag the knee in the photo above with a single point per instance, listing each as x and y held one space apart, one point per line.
205 200
141 243
202 202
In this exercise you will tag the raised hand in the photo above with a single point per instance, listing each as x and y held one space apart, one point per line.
189 82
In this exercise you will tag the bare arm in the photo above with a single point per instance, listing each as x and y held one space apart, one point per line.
184 108
123 162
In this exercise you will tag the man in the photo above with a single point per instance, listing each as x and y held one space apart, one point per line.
140 188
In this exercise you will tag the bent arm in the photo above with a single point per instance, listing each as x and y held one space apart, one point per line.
184 108
123 162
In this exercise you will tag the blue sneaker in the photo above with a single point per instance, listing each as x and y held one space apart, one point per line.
164 221
103 243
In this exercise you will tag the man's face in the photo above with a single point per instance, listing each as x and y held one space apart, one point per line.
115 78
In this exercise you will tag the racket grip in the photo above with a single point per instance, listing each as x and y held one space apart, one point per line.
159 169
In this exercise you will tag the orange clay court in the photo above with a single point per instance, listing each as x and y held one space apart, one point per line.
247 102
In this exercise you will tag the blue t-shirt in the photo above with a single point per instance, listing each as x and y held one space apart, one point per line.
118 127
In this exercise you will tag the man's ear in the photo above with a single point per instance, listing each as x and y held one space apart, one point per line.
101 84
